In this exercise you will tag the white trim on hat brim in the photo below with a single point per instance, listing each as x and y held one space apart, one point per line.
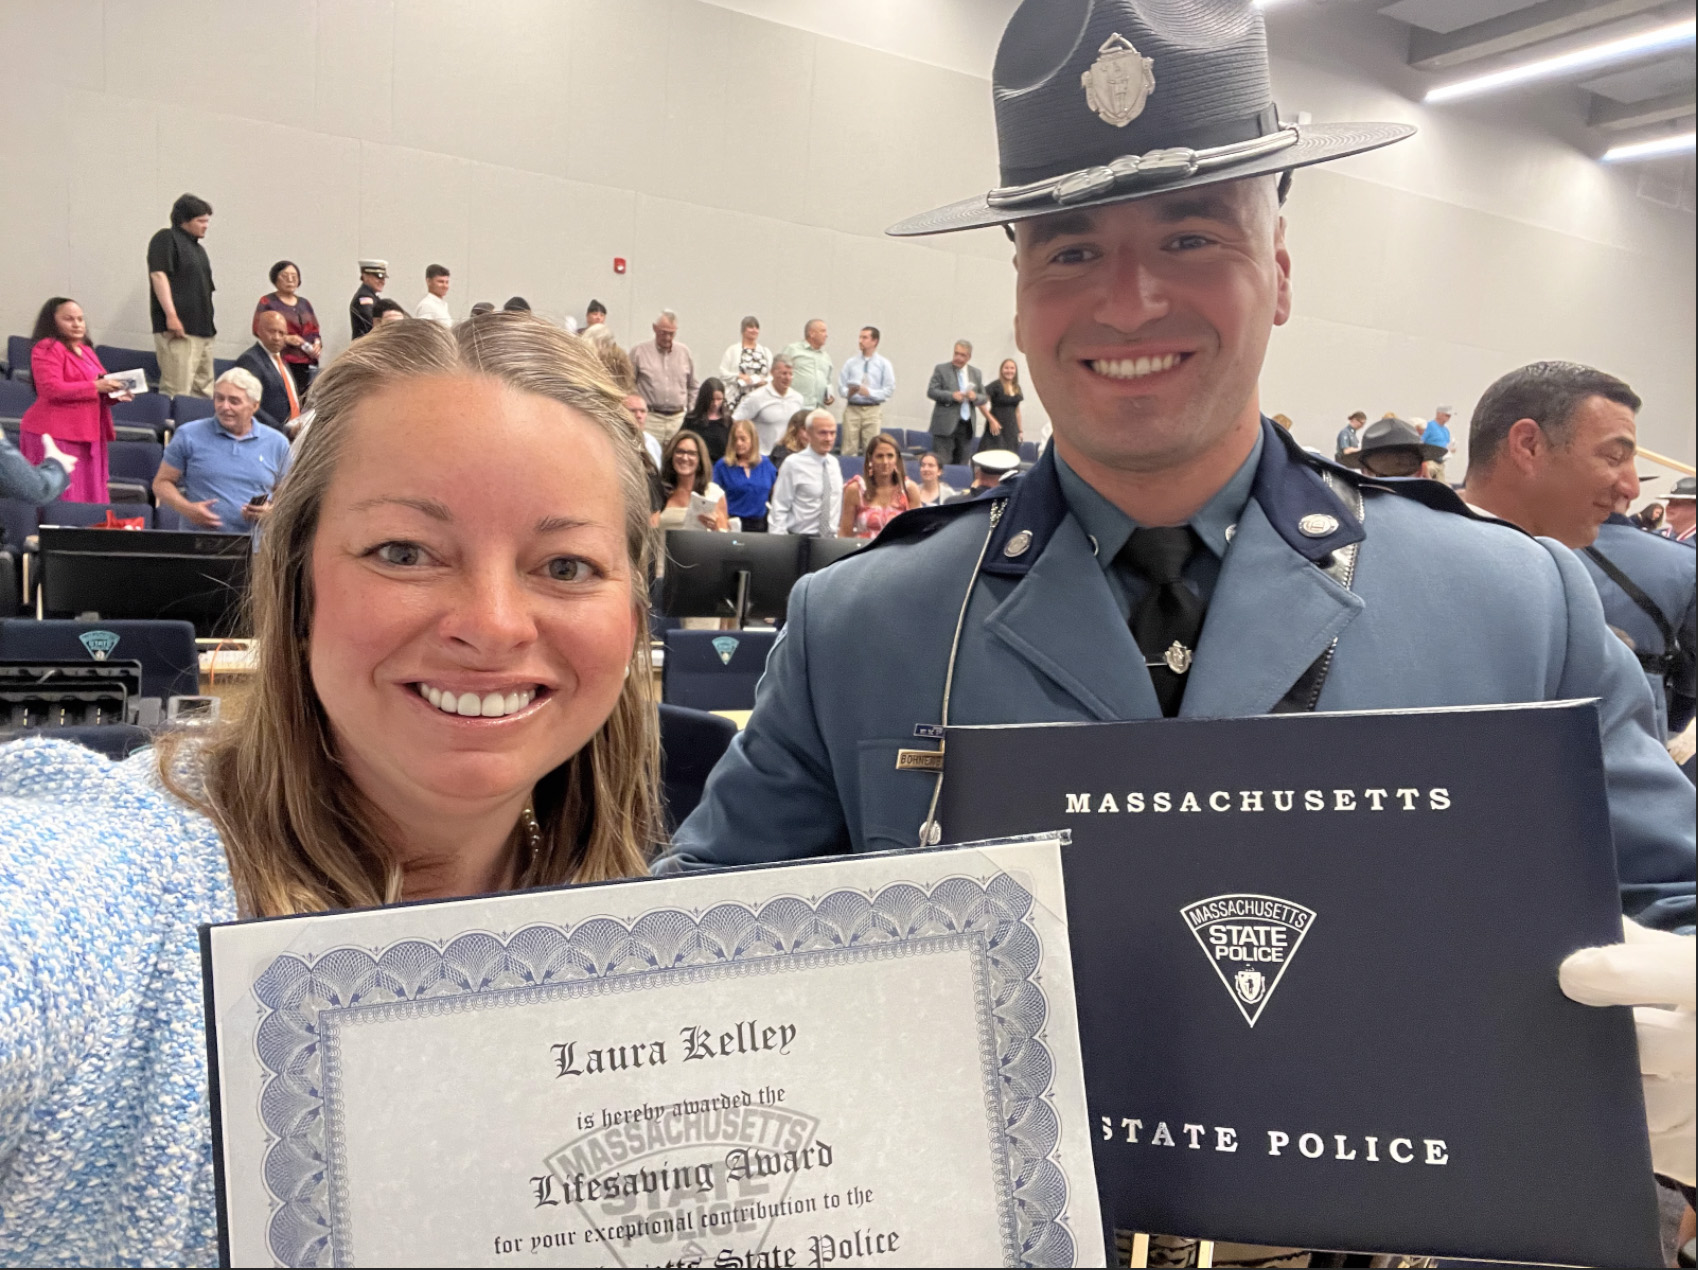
1316 143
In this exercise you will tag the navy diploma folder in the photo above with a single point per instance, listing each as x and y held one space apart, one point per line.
1316 959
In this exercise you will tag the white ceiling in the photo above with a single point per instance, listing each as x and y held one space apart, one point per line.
1445 16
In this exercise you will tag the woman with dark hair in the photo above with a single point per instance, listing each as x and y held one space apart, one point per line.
794 440
880 494
303 343
932 489
684 471
72 410
710 418
1002 409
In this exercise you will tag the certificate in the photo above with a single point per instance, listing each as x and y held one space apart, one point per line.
870 1060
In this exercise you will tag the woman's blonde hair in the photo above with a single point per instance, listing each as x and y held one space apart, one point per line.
299 836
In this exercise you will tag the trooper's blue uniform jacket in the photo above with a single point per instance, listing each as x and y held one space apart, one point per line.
1666 572
866 651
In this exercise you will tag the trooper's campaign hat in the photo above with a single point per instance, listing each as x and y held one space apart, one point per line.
1685 488
1102 101
1391 433
378 267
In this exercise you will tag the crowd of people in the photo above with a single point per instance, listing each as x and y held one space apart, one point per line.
453 693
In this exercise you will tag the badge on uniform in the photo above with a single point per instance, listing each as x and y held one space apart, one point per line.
919 760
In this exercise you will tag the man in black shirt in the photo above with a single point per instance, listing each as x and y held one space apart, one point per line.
180 278
362 309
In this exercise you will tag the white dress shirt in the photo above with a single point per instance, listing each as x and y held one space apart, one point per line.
875 372
435 309
770 411
807 497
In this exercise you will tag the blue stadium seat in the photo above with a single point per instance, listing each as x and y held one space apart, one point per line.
691 743
166 650
1029 454
17 522
131 467
851 465
185 408
714 670
167 518
917 442
78 515
17 357
957 476
222 364
913 467
15 398
152 409
115 358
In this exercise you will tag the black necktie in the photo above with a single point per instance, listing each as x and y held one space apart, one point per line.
1169 618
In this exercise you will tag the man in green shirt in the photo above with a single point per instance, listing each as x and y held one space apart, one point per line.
813 365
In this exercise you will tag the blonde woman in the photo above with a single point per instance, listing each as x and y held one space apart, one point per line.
453 697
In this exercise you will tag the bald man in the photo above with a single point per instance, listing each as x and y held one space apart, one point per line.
279 403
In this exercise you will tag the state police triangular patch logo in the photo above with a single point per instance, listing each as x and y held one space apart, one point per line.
99 643
725 646
1250 940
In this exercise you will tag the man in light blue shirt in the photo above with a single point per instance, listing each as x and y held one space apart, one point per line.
866 383
218 473
1438 433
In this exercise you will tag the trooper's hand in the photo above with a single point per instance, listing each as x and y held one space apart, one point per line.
1656 973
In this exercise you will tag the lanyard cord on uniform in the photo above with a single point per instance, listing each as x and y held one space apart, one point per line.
930 832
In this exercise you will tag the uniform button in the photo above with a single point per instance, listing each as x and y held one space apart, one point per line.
1231 532
1318 525
1019 544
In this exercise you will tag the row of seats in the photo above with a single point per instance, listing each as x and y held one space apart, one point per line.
112 356
955 475
692 740
150 416
920 442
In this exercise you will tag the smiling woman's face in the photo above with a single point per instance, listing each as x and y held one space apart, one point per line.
473 615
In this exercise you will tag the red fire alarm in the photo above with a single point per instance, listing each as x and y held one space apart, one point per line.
619 264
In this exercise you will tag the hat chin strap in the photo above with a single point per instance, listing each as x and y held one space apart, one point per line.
1154 167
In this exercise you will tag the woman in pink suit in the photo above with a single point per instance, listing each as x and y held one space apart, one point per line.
72 403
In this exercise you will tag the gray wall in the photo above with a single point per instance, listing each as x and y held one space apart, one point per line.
745 156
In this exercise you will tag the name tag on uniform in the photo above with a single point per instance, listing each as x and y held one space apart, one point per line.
919 760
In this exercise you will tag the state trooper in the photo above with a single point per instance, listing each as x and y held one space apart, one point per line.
1391 447
362 309
1553 448
1174 552
990 469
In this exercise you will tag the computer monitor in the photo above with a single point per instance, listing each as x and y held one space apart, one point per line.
738 576
823 551
151 573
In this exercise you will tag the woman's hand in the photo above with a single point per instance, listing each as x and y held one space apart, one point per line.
994 426
106 384
294 341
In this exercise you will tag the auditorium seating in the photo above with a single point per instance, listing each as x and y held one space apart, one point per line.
916 442
851 465
151 411
957 476
184 408
131 466
1028 451
17 522
114 357
691 742
15 398
222 364
166 650
17 358
714 670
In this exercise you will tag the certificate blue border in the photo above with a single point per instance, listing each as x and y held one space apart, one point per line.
303 999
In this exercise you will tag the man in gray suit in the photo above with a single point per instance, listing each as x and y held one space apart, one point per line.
1151 268
956 390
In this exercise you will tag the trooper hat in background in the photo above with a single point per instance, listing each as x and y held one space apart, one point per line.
1102 101
1392 433
1685 488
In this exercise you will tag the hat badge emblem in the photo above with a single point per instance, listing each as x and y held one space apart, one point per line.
1119 82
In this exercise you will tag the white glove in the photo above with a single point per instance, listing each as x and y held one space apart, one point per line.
51 449
1655 972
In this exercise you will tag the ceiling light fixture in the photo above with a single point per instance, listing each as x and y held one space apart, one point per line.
1566 63
1681 143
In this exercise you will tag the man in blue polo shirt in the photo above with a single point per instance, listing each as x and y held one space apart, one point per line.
218 473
